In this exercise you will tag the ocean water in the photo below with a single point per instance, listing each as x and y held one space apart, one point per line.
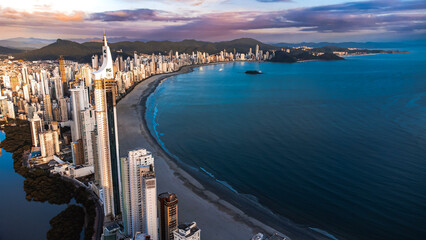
338 147
19 218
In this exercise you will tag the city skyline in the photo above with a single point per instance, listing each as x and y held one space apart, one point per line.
214 20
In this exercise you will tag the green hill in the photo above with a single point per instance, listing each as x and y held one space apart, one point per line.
69 49
6 50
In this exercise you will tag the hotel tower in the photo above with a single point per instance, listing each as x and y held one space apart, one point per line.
107 136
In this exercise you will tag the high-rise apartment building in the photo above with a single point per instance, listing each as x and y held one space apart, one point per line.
106 120
168 215
139 193
49 143
88 124
48 108
63 105
77 152
36 126
257 52
79 102
63 75
59 89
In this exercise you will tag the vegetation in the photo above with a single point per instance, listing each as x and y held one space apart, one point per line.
42 186
67 225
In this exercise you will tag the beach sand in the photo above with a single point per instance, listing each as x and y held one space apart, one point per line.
216 218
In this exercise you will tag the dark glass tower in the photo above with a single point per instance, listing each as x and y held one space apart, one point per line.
168 215
111 90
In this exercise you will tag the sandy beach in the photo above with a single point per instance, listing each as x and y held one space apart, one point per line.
216 218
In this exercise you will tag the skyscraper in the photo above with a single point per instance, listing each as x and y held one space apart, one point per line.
106 119
77 152
36 125
168 215
49 143
257 51
59 89
88 123
63 105
79 102
63 75
139 192
48 108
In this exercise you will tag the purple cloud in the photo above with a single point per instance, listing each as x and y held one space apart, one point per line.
142 14
382 17
270 1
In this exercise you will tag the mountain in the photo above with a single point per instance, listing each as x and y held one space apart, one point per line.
25 43
82 52
6 50
186 46
69 49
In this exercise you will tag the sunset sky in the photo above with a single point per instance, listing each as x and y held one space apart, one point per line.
215 20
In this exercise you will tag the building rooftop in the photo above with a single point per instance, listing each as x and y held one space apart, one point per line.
187 229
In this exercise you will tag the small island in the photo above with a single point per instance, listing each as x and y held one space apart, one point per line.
253 72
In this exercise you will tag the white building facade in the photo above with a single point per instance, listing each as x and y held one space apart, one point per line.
139 194
187 232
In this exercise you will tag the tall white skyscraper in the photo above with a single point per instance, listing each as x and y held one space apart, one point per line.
257 51
36 125
139 193
88 124
79 101
107 138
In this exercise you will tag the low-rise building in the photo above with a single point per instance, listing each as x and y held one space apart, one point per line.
187 232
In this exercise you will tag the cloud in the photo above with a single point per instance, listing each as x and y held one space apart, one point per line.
392 17
142 14
340 18
271 1
14 17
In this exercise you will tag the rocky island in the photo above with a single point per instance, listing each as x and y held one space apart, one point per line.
253 72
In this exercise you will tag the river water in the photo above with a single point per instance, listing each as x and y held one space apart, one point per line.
19 218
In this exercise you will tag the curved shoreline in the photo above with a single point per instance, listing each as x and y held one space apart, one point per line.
217 218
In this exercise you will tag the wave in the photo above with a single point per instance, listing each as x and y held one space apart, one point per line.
224 183
323 233
156 134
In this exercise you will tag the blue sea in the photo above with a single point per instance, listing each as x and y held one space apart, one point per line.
337 147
